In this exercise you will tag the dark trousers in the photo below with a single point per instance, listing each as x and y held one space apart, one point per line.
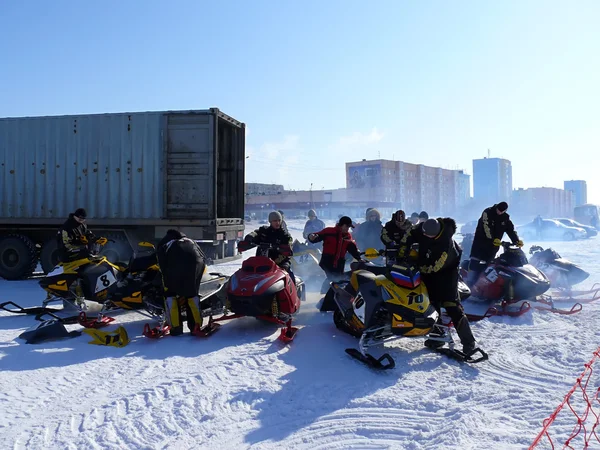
443 293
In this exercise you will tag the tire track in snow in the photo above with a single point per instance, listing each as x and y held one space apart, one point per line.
183 406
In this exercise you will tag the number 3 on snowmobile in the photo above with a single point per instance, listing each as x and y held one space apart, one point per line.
383 308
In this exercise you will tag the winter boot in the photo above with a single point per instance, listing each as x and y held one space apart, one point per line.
437 335
463 329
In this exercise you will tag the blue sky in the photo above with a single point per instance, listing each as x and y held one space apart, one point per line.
319 83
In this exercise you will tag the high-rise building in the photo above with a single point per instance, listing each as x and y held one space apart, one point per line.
492 180
579 189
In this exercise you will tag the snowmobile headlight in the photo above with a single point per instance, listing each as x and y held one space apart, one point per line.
261 283
233 282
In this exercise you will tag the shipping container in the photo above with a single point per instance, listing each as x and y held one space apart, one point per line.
136 174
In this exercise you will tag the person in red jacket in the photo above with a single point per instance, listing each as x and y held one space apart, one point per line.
337 241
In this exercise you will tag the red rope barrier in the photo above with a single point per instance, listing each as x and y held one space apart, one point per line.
581 420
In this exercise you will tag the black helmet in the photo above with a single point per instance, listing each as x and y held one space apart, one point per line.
399 216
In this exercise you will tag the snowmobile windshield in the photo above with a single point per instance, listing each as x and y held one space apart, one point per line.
513 258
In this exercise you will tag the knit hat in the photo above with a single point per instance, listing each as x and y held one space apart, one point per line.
431 227
502 206
275 215
312 213
424 215
80 212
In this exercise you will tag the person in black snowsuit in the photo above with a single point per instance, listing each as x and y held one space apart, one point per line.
274 234
492 225
182 264
394 230
438 261
73 238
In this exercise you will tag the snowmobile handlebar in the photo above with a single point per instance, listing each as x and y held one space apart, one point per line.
264 247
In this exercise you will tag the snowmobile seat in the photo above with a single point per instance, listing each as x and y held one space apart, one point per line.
140 261
513 258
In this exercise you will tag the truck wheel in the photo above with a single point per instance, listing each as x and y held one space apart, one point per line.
18 257
118 251
49 255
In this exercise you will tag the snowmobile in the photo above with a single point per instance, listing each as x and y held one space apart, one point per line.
379 308
510 278
94 279
563 274
263 290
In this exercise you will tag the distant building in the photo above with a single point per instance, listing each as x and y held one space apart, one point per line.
579 189
544 201
492 180
413 187
263 189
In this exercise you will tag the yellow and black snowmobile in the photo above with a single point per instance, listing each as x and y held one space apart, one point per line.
137 286
379 308
93 278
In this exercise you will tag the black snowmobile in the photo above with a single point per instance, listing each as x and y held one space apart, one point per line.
563 274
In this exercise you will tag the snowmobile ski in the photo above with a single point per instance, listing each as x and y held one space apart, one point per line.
577 307
371 361
288 332
116 338
458 355
34 310
206 330
60 316
156 332
98 322
46 331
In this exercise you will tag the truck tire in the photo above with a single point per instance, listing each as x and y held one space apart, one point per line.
18 257
49 255
119 251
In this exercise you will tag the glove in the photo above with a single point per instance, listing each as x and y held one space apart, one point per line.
497 242
101 241
311 236
249 239
519 244
83 240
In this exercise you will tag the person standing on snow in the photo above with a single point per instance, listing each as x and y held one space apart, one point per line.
438 261
394 230
182 264
492 225
313 224
538 222
369 233
337 241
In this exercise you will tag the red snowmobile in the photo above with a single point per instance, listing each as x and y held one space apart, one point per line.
263 290
511 279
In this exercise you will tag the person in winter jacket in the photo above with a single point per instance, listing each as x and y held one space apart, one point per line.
368 234
492 225
283 223
394 230
182 264
313 224
274 234
438 261
73 237
337 241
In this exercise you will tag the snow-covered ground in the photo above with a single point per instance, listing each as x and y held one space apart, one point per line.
242 388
